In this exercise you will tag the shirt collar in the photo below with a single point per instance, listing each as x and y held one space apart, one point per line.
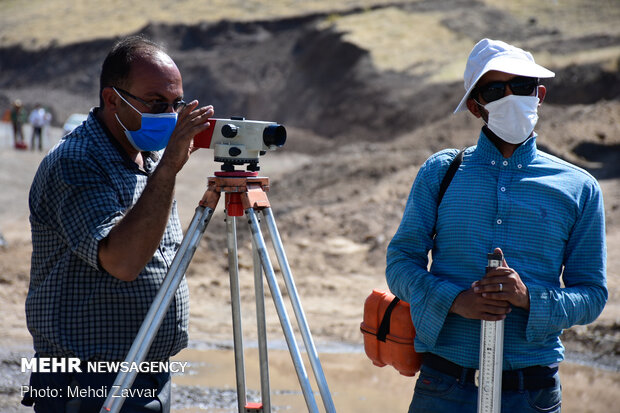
522 156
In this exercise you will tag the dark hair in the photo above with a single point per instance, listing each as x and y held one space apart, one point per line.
117 64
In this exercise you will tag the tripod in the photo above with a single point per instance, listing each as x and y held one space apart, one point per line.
245 192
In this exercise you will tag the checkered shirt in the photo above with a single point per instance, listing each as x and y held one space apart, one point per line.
74 308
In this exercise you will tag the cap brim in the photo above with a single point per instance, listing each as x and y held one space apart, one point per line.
505 64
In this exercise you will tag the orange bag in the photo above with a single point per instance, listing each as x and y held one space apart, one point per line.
388 333
6 116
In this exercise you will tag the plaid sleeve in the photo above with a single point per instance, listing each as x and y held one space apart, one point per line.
85 205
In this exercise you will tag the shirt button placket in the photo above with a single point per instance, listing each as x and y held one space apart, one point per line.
502 200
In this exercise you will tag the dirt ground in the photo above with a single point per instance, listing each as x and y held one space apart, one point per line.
366 92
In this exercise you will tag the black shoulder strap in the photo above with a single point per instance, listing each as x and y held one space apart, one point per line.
445 182
454 166
384 328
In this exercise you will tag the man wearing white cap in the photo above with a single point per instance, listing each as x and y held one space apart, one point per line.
545 215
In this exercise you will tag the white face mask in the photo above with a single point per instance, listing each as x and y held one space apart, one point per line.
513 117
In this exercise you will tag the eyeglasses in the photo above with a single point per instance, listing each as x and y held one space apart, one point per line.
156 106
521 85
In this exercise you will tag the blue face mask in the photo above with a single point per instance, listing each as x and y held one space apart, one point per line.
155 129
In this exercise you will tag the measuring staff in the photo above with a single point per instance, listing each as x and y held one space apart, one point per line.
547 217
491 354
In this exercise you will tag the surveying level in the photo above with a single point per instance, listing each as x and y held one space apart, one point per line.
491 356
237 141
245 193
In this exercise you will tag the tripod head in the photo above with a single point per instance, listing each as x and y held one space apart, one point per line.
237 141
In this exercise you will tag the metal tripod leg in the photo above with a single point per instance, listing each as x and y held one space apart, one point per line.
235 302
235 298
261 328
281 310
299 312
142 343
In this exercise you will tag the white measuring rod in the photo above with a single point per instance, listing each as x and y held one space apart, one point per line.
491 357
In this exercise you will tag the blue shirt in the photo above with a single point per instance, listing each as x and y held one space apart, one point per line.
545 214
74 308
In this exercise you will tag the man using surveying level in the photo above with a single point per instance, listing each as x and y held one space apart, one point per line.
545 214
105 229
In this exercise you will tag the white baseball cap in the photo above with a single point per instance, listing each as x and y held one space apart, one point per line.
490 55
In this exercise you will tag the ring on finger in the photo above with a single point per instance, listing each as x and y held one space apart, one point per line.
501 287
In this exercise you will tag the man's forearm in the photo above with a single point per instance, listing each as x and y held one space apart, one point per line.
130 245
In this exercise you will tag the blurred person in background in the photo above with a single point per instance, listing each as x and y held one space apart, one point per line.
105 230
544 214
17 120
39 118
